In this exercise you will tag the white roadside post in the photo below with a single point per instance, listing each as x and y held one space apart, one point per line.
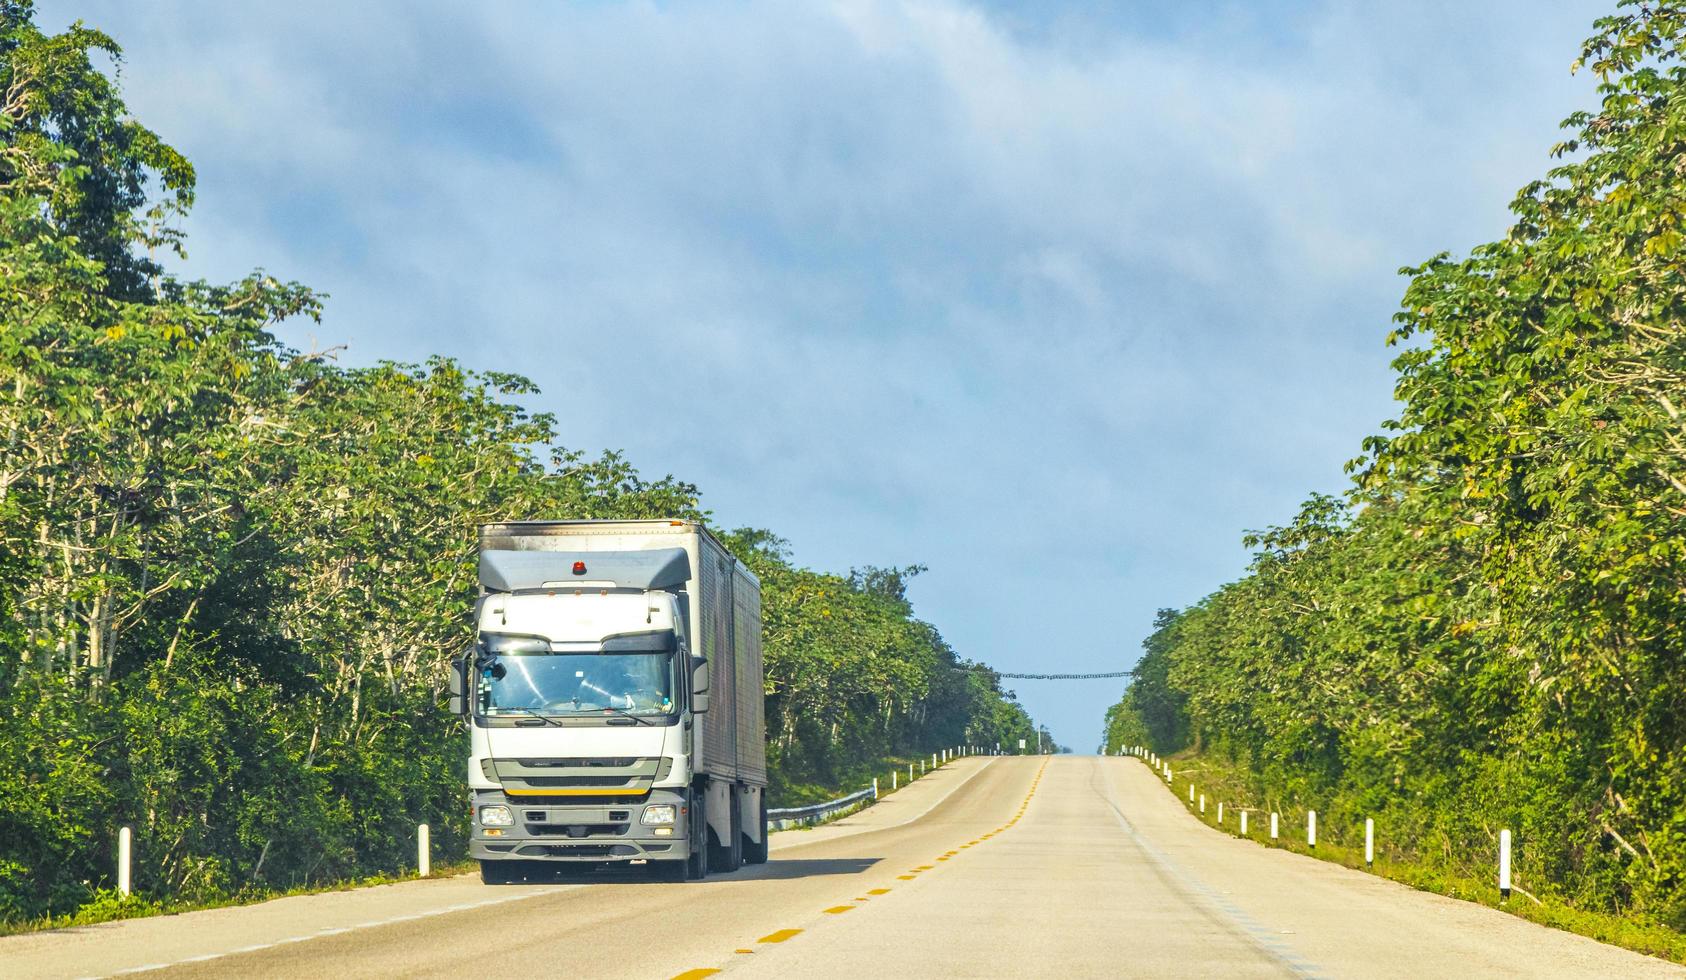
894 774
1167 774
875 787
1369 842
1244 823
1220 813
125 838
424 848
1504 864
1202 802
1191 792
1273 816
1311 828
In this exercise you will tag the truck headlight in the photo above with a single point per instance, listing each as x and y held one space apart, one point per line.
659 815
496 816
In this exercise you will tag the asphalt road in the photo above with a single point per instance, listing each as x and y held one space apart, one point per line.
1016 867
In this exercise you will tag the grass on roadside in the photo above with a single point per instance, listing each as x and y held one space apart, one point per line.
892 775
108 906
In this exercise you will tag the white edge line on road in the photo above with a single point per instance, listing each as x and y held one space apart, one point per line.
1266 940
852 831
335 931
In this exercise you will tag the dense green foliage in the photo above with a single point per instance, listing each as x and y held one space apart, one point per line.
1488 631
231 573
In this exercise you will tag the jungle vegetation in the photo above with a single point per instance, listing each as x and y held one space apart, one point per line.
232 572
1488 629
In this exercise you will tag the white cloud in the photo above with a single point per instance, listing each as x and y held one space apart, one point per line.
1057 312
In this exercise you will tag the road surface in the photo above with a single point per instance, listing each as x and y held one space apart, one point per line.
1014 867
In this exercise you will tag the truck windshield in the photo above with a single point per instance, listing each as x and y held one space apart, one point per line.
536 681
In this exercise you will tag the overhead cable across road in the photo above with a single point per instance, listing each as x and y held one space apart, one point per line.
1061 677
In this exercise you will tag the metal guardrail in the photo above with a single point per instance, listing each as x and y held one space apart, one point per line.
796 816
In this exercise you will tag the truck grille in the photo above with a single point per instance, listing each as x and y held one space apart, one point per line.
578 850
578 830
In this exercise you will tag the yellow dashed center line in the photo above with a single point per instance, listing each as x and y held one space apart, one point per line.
785 934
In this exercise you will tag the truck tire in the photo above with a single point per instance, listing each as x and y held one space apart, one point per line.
754 853
726 856
501 872
695 866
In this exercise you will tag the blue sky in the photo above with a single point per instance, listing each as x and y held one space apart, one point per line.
1055 299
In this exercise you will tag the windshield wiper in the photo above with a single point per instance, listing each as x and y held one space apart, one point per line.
548 720
625 713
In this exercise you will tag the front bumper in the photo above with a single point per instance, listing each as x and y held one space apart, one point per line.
551 831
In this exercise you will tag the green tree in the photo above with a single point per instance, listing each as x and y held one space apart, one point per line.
1486 632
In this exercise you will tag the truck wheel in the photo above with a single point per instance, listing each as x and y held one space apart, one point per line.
754 853
695 866
500 872
727 855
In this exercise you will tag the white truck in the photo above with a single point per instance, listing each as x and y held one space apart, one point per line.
613 697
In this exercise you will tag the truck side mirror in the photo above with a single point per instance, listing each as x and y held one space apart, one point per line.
699 684
458 702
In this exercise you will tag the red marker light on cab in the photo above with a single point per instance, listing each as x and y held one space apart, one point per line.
579 568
